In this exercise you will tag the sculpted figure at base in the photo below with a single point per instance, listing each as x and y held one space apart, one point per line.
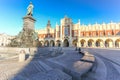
27 37
30 9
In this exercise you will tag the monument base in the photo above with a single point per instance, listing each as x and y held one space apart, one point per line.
28 22
27 37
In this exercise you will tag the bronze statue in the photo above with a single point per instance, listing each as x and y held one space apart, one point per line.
30 9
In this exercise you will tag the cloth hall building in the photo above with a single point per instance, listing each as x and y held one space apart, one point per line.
68 34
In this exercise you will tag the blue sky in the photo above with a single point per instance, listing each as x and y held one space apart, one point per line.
88 11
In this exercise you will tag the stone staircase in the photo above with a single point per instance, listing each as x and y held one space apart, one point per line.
98 72
103 69
9 70
34 70
71 63
65 67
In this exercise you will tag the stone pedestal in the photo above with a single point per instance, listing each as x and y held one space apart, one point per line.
29 36
28 22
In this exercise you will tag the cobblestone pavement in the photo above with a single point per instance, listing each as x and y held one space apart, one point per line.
69 58
107 61
36 69
112 73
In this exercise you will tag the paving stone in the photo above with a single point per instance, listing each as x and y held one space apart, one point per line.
111 61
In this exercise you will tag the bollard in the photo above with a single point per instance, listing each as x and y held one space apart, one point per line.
22 56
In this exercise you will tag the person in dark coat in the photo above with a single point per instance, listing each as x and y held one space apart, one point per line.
79 50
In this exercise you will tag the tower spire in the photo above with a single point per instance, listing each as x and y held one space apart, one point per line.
48 24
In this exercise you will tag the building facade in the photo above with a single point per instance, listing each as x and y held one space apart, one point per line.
68 34
5 39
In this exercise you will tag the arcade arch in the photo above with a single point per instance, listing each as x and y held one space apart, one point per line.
82 42
108 43
52 43
90 43
99 43
47 43
66 43
74 43
41 43
117 43
58 43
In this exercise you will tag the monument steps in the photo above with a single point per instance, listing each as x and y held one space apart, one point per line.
98 72
70 63
7 74
27 70
39 67
30 70
19 77
108 67
46 72
11 73
48 68
112 72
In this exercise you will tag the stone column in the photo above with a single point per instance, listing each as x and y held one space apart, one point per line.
70 41
119 44
101 44
93 44
79 44
104 44
114 44
62 43
61 36
70 30
110 44
86 44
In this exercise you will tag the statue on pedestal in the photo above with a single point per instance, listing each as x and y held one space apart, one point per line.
27 37
30 9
